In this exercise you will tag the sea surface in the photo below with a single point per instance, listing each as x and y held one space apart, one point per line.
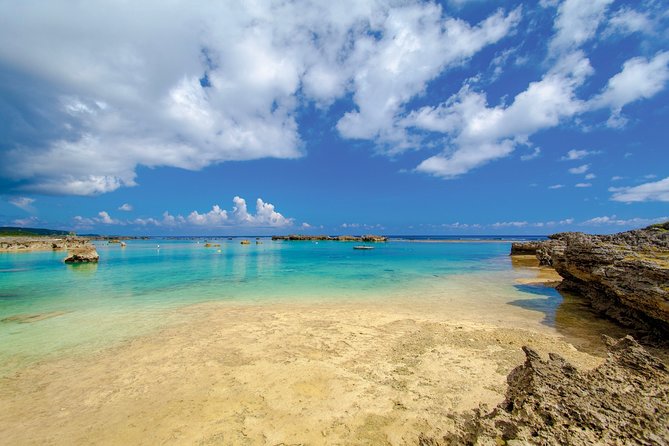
49 308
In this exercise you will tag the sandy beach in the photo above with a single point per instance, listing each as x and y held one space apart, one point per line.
282 373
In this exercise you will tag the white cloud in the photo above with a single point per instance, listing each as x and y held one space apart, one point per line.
590 176
24 203
617 178
580 169
481 133
417 45
105 218
23 222
189 86
613 220
215 217
507 224
573 155
556 186
577 22
581 185
640 78
126 207
530 156
265 216
628 21
655 191
306 225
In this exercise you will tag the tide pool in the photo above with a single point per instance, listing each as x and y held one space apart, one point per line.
49 308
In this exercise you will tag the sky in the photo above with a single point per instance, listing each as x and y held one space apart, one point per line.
460 117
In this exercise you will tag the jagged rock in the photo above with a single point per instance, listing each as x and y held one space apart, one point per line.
623 401
524 248
34 243
624 276
85 254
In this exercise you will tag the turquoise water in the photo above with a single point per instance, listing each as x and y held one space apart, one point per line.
47 307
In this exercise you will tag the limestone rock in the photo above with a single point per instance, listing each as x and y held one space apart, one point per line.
86 254
624 276
623 401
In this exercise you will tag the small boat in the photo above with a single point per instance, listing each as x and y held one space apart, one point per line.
245 242
363 247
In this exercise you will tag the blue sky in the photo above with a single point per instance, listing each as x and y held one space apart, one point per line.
456 117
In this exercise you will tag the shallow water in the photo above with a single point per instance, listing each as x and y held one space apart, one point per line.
48 308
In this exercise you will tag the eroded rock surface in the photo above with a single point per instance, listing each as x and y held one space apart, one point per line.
623 401
26 243
624 275
83 254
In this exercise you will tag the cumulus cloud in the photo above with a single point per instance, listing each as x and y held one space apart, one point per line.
582 185
105 218
577 22
126 207
188 87
215 217
654 191
24 203
590 176
640 78
265 216
417 45
556 186
481 133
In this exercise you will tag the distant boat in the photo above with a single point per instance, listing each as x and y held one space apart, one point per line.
363 247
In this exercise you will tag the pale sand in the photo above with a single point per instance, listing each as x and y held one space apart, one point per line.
536 274
281 373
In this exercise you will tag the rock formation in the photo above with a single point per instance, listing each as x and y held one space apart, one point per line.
339 238
85 254
35 243
624 275
524 248
623 401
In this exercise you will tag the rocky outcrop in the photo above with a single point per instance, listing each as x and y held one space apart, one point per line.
85 254
623 401
339 238
32 243
524 248
624 275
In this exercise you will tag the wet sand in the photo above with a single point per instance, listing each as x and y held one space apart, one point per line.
356 372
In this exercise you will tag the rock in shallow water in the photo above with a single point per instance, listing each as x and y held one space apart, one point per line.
85 254
623 401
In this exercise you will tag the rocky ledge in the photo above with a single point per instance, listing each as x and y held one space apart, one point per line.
623 401
83 254
624 275
32 243
339 238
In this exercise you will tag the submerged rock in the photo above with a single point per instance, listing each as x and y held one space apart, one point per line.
85 254
623 401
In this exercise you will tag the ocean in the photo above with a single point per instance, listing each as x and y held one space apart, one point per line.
48 308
